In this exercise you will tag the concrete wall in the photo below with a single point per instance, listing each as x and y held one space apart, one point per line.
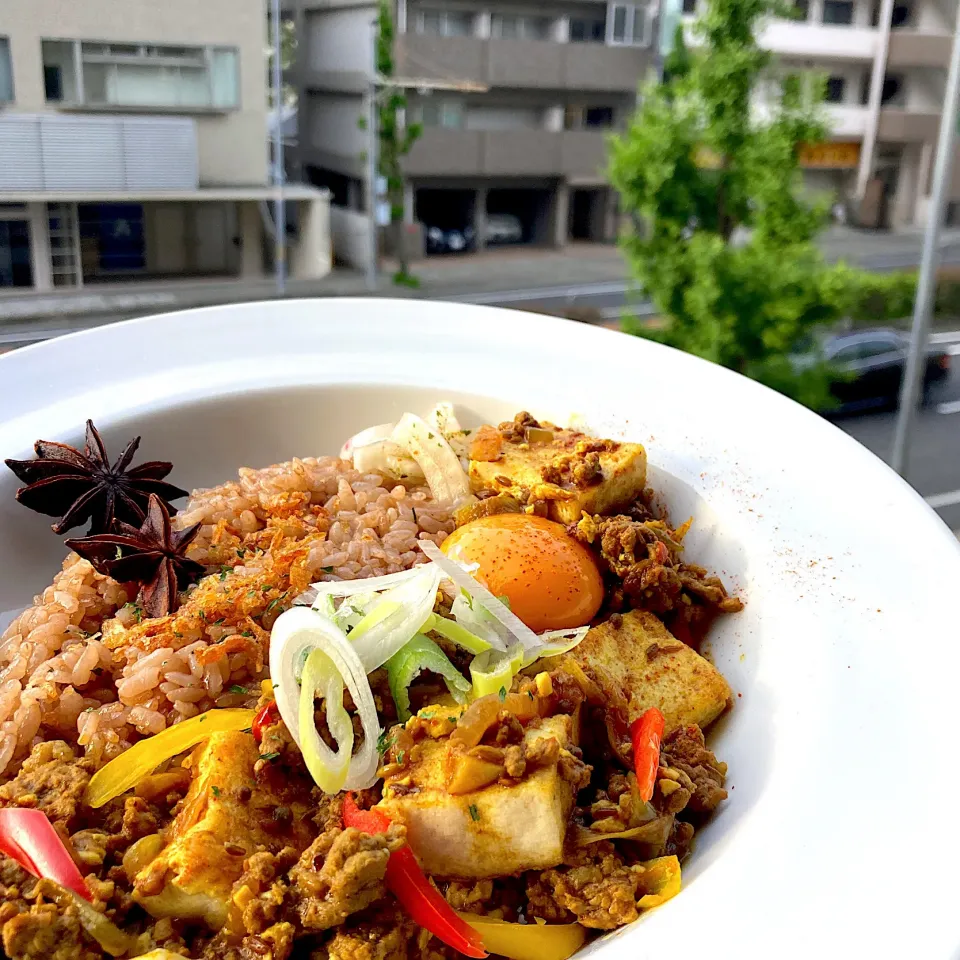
339 39
332 123
232 146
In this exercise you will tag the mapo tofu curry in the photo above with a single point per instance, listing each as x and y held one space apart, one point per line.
438 696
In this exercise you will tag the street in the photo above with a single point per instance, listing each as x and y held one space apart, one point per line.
934 468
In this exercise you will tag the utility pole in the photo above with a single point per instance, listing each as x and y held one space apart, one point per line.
279 175
927 278
373 133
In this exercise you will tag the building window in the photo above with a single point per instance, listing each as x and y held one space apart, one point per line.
598 117
112 239
140 76
511 26
891 94
16 266
444 23
587 30
441 113
689 6
632 24
6 72
838 11
835 88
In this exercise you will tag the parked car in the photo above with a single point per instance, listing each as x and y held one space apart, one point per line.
503 228
446 240
872 364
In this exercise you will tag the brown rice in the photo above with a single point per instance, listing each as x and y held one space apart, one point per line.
58 677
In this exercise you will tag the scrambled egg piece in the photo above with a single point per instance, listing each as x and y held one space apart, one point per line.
499 829
571 472
228 814
635 657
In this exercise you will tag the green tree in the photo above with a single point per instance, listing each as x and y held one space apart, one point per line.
395 138
724 237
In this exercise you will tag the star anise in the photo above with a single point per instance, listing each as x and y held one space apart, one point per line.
63 482
153 555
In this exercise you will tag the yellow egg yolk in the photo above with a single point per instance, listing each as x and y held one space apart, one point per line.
550 580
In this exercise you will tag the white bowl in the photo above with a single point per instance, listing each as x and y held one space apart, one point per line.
840 837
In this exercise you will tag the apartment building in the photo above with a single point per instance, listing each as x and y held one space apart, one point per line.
516 98
133 145
885 65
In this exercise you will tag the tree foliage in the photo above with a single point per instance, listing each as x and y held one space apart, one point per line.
395 137
724 243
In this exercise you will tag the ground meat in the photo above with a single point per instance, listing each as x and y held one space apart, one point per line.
51 779
340 873
514 764
262 889
46 932
685 750
274 943
514 431
90 847
645 556
541 903
469 896
601 896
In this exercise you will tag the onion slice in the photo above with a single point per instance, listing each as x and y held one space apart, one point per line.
479 594
348 588
328 769
554 643
296 634
365 437
441 466
398 616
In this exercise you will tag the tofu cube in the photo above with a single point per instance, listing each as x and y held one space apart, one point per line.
227 815
499 829
636 657
571 472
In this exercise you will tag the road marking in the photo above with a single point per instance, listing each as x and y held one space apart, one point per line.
952 407
949 336
543 293
939 500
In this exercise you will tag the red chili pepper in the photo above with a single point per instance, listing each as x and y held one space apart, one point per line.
646 733
662 554
266 716
410 886
28 837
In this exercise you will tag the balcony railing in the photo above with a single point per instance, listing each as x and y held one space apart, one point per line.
50 153
471 153
524 64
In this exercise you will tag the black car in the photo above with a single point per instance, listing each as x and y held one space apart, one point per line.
873 364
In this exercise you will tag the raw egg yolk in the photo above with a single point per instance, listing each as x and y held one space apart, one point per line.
550 580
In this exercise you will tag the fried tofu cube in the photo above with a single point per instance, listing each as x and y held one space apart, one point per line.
498 829
571 472
228 813
635 657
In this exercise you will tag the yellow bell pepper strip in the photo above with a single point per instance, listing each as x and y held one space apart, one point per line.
528 941
421 653
660 881
127 770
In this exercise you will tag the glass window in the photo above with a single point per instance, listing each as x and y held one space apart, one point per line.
801 9
16 264
620 24
877 348
584 30
504 26
891 91
632 24
129 75
689 6
6 71
838 11
445 23
442 113
598 117
835 88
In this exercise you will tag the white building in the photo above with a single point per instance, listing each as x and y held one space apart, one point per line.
133 145
885 88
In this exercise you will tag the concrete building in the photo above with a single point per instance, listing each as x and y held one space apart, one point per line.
515 97
133 146
885 62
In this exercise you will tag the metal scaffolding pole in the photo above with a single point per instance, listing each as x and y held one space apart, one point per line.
373 129
927 278
279 175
